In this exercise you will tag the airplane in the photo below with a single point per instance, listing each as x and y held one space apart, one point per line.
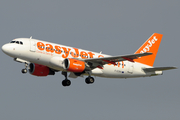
43 58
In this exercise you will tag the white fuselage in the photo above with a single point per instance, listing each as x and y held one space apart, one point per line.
52 55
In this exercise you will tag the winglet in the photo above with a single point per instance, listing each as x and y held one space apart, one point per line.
151 45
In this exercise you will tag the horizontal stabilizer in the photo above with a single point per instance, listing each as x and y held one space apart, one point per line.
158 69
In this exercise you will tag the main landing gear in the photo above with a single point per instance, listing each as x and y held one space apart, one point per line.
89 80
25 69
66 82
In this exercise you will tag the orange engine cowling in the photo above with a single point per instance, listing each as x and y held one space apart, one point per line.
40 70
74 65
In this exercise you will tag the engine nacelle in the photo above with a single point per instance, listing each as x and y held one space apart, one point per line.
40 70
74 65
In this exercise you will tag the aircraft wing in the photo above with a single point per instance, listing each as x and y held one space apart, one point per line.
113 59
158 69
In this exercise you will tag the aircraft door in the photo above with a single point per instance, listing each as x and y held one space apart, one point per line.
131 67
32 45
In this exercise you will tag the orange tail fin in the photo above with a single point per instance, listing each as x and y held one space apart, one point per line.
152 46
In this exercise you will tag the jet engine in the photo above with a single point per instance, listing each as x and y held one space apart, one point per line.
40 70
74 65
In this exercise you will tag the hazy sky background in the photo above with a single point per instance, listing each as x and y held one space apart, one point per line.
115 27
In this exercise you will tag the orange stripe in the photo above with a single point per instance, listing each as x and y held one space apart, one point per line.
122 64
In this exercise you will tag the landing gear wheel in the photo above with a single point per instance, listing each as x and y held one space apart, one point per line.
66 82
89 80
24 71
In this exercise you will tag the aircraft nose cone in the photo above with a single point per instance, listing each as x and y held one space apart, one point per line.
5 48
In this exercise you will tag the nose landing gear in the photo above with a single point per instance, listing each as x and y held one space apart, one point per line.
25 69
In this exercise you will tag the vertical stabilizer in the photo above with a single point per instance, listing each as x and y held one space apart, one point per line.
152 46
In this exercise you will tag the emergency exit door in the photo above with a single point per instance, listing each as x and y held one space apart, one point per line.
32 45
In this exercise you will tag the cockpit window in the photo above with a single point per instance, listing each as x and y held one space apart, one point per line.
12 41
17 42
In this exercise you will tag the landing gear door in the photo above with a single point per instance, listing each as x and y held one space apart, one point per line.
32 45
